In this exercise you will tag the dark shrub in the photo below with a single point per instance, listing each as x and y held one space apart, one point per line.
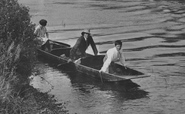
17 54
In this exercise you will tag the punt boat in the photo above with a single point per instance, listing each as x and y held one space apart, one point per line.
89 65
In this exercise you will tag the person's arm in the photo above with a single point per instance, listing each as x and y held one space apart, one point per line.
107 62
36 31
93 46
122 59
47 34
73 51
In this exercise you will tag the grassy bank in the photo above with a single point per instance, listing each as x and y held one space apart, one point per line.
17 57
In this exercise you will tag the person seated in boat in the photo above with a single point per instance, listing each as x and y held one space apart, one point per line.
42 35
114 54
78 50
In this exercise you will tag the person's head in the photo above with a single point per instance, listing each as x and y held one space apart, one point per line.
118 44
86 33
43 22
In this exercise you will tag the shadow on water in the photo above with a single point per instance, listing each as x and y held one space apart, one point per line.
154 46
125 89
170 54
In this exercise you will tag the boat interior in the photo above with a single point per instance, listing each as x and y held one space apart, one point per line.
95 62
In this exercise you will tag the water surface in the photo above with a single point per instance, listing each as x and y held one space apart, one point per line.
153 38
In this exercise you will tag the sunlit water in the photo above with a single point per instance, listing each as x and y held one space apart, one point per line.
153 35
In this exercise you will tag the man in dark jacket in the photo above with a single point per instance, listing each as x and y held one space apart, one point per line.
78 50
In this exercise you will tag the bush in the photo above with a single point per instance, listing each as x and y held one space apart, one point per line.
17 54
16 35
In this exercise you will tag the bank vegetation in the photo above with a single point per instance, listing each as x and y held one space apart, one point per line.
17 60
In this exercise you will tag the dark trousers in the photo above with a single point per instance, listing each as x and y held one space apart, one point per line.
46 46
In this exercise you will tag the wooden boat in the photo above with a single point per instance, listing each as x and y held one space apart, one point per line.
89 65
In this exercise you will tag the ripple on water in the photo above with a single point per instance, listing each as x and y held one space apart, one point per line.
152 32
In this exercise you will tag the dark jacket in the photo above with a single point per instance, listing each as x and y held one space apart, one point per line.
80 47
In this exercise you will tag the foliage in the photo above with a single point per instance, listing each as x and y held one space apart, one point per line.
17 54
16 35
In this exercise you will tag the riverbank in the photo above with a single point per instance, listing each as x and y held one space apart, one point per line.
17 61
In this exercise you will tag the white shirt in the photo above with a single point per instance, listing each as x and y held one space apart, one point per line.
41 33
113 56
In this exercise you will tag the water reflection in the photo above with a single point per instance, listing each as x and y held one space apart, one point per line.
80 91
91 94
84 83
126 89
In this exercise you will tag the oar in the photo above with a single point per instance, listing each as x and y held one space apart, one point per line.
62 64
135 77
101 77
131 77
65 63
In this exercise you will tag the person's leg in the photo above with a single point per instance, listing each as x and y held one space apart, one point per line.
43 47
51 45
111 68
48 46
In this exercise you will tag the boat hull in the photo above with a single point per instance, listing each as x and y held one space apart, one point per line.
89 65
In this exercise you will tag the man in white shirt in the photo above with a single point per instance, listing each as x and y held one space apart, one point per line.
113 55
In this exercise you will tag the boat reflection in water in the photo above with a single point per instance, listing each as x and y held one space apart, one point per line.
80 92
126 89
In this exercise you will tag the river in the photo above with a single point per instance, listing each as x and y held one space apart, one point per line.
153 35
